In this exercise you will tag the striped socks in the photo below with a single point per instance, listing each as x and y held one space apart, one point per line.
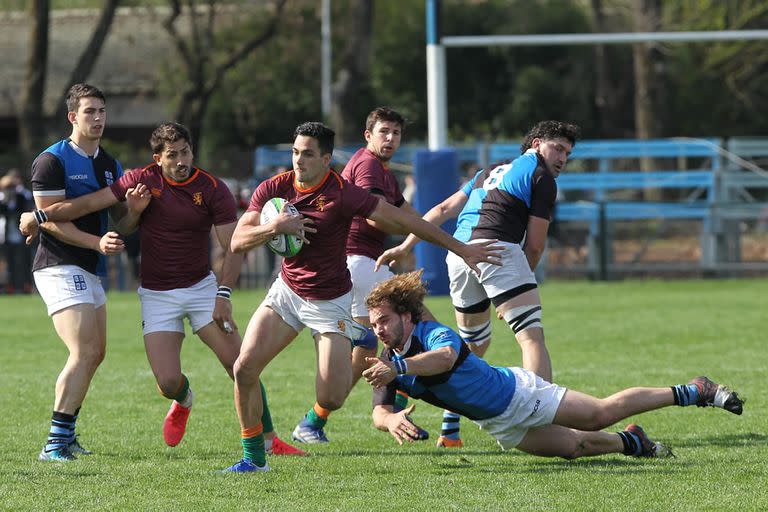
632 444
450 426
62 431
685 394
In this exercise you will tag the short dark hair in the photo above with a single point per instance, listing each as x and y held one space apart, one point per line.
318 131
384 114
404 293
78 91
168 133
549 130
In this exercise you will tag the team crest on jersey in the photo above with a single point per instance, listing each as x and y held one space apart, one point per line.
109 177
156 192
320 203
341 325
197 198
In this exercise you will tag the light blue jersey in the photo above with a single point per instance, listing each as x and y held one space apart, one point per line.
502 197
472 387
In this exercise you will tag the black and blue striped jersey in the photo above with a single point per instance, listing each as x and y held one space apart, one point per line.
504 196
472 387
64 169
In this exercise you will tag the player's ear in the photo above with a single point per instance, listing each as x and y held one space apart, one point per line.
72 117
156 158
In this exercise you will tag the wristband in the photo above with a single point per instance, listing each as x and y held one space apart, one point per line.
225 292
40 216
400 366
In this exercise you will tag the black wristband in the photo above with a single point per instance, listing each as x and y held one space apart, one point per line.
225 292
400 366
40 216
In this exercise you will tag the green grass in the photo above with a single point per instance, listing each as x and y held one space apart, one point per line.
602 337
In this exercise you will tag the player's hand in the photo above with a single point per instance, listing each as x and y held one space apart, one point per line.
291 224
222 315
400 426
481 252
137 198
391 256
379 372
28 226
110 244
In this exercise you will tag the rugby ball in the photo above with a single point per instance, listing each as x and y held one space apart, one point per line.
284 245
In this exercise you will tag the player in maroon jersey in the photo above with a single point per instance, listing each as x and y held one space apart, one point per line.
368 169
179 204
313 288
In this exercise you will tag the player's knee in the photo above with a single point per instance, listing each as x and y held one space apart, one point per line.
575 447
91 356
246 369
332 401
598 419
168 386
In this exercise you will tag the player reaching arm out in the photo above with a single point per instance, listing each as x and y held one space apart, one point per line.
395 221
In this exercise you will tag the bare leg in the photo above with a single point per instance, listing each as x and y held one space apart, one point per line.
225 346
557 441
82 328
471 321
531 340
585 412
266 336
334 370
164 355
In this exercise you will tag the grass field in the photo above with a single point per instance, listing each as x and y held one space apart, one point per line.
602 337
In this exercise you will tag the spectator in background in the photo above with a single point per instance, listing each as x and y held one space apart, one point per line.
15 199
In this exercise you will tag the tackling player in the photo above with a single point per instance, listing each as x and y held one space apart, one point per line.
313 288
178 204
429 361
512 202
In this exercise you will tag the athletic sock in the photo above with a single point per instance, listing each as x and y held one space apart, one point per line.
401 401
72 435
450 427
632 443
62 426
317 416
266 417
685 394
183 395
253 445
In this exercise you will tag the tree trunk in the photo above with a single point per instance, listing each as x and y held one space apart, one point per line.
31 127
88 57
351 92
606 96
647 66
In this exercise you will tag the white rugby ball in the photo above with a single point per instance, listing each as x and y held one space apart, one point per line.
284 245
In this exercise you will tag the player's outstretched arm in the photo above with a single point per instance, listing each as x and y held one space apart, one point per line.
396 221
396 423
438 214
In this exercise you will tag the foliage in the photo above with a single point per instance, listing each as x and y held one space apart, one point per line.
602 337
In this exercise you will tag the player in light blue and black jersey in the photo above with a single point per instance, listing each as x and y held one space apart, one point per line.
518 408
69 258
511 202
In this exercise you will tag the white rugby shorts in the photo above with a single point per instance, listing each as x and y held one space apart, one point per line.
62 286
534 404
363 281
165 310
322 316
467 289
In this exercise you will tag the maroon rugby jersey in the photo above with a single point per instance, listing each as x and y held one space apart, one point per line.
176 226
368 172
319 271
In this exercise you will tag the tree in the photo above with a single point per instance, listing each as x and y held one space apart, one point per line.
351 92
31 98
204 63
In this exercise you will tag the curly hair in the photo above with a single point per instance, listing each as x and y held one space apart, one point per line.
168 133
548 130
79 91
404 293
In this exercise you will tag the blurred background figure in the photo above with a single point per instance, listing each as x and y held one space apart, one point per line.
15 199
